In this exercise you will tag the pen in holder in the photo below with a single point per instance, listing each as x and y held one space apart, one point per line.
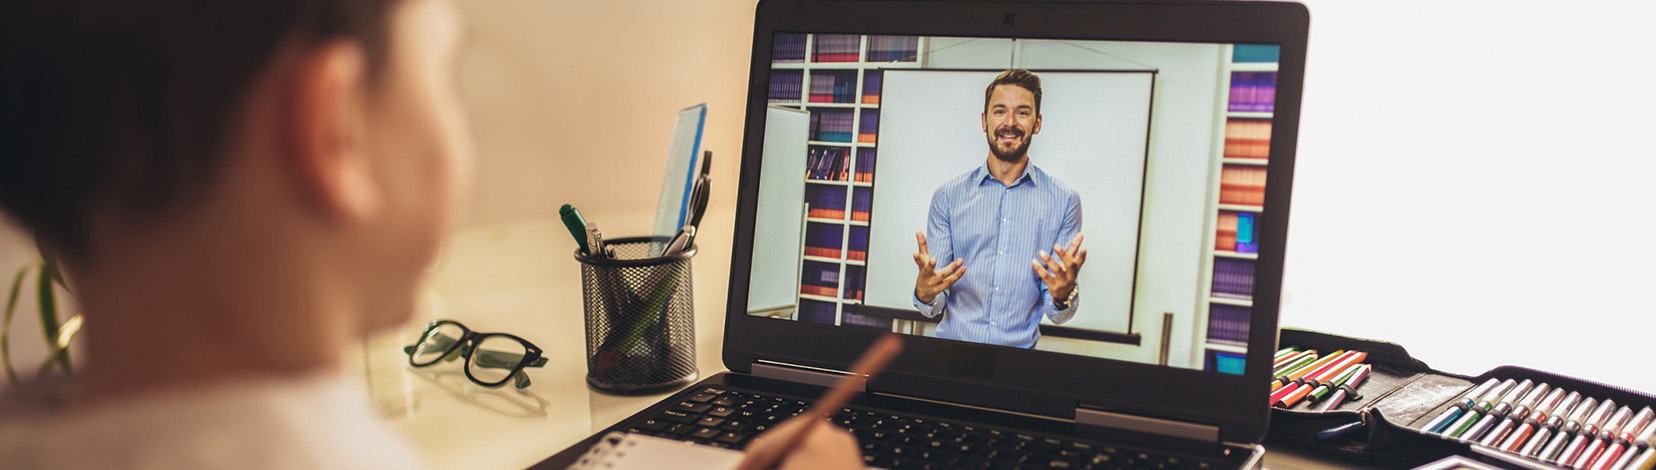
640 317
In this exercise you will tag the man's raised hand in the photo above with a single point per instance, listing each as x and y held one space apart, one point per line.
933 281
1059 272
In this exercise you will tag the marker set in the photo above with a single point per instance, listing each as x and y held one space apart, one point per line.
1408 414
1551 424
1322 383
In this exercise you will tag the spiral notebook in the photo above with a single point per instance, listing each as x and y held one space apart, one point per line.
622 451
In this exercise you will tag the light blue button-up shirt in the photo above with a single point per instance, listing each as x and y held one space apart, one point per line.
998 229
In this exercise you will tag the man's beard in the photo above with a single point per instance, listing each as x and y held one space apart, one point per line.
1011 155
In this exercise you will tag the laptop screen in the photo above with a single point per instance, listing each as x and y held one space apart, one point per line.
1096 198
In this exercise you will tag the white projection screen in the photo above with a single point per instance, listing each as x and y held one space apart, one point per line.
1095 126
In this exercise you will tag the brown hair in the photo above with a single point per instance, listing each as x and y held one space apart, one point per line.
1020 77
127 104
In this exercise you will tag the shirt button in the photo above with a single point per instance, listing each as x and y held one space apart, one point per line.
1004 220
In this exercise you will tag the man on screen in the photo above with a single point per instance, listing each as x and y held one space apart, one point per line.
984 226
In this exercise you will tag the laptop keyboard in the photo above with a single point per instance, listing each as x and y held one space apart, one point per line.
730 419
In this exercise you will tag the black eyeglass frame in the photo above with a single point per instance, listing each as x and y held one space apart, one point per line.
467 345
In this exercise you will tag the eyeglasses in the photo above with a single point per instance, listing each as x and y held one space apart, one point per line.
491 358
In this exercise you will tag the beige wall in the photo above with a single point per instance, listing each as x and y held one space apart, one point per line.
574 101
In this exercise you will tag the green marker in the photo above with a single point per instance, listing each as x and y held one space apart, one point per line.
1284 352
1295 364
577 225
1476 411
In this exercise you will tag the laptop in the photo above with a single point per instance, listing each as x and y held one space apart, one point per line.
1102 189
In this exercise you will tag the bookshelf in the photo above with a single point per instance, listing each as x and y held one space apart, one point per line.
836 78
1236 197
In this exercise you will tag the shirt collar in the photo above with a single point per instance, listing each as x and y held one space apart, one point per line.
1030 174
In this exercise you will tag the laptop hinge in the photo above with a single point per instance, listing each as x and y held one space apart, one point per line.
805 375
1158 426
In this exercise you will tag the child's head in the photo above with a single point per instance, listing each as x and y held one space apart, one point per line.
281 141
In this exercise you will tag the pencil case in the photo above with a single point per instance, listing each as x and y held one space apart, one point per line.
1403 394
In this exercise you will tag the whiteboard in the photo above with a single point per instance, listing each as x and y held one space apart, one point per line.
1093 137
774 274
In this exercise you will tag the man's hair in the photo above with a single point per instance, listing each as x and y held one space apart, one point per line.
128 104
1020 77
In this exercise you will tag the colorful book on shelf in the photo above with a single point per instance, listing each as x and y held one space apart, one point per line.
788 47
1248 138
854 281
1225 238
865 165
862 201
869 126
857 249
1255 53
1253 92
836 47
1227 324
831 125
871 87
785 85
827 213
1233 278
822 274
833 86
825 291
827 163
893 48
1245 234
816 311
1226 362
827 202
1242 185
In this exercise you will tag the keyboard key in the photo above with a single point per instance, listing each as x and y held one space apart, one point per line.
694 407
678 416
703 398
709 421
722 412
705 433
732 438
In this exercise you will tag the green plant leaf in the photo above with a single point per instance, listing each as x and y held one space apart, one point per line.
5 323
48 311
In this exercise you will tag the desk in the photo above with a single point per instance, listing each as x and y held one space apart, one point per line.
520 278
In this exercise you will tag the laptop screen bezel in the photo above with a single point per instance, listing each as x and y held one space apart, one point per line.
1038 382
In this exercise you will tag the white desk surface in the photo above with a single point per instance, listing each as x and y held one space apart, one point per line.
521 278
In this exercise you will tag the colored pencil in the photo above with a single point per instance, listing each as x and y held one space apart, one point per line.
1476 411
1490 416
1519 413
1589 428
1466 401
1547 412
1550 452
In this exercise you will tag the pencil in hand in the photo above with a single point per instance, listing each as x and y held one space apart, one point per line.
875 359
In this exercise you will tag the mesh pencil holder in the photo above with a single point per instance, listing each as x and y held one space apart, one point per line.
640 318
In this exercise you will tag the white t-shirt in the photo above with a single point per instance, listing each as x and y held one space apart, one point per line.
322 421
